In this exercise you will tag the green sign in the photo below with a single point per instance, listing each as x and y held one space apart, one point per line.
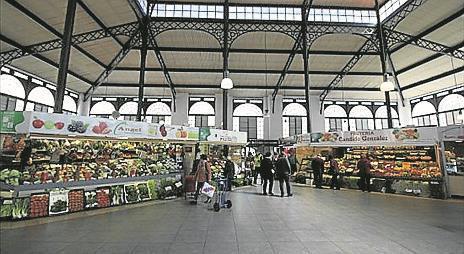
9 120
204 133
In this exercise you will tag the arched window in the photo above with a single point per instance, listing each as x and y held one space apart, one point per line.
381 119
335 118
102 109
69 105
449 109
424 114
361 118
12 93
158 112
128 111
201 114
294 120
40 99
248 118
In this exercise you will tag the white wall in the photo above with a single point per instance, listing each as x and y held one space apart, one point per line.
180 116
404 113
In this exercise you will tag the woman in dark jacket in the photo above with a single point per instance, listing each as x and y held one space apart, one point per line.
334 171
267 174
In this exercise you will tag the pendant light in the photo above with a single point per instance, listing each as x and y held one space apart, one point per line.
387 85
226 82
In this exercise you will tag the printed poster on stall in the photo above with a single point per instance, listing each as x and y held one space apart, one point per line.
58 202
374 137
216 135
9 120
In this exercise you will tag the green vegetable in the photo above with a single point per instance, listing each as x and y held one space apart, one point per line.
6 209
152 186
59 206
20 208
143 191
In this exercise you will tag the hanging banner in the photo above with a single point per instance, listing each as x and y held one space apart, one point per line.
222 136
405 136
71 125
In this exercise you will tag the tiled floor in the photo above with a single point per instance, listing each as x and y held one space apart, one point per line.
313 221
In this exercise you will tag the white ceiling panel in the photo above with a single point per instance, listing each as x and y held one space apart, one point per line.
264 40
409 55
112 12
368 63
104 49
257 61
128 77
327 63
435 86
5 46
192 60
186 38
342 42
428 14
132 59
361 81
450 34
197 78
430 69
19 28
254 79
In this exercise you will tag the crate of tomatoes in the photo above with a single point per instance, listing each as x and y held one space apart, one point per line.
76 200
39 205
103 197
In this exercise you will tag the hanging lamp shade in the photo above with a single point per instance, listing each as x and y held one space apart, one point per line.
387 86
227 83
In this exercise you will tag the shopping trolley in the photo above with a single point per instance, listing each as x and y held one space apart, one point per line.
222 194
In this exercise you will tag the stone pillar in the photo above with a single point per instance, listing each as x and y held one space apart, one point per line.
317 119
83 107
180 117
404 113
218 111
273 124
230 110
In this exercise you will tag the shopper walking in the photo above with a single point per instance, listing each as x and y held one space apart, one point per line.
249 167
335 172
364 166
317 165
267 174
202 175
283 174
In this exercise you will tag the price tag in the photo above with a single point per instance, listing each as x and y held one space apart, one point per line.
178 184
168 188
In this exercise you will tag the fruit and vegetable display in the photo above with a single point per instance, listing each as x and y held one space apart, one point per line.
6 208
152 188
169 189
85 160
412 162
103 197
117 195
39 205
90 199
144 192
20 208
76 200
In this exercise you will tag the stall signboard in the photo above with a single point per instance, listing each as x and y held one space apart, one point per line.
58 202
222 136
71 125
452 133
9 120
404 136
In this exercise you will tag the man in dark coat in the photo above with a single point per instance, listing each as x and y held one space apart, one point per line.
267 174
317 165
283 174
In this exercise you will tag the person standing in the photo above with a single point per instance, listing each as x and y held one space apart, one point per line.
25 156
283 174
335 172
364 166
258 158
293 162
249 166
229 172
202 175
317 165
267 173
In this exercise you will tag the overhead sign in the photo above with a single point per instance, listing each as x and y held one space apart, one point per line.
403 136
222 136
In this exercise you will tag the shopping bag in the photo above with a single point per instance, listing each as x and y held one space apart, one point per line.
208 190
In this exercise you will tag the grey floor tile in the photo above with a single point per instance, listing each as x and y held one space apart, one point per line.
116 248
159 248
281 236
190 248
310 235
220 248
255 248
251 236
355 247
316 247
289 247
191 236
81 248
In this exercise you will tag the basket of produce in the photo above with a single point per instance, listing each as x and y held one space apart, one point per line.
76 200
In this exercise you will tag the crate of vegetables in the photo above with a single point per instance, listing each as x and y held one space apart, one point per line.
58 202
39 205
103 197
131 193
6 208
20 208
117 195
144 191
76 200
90 199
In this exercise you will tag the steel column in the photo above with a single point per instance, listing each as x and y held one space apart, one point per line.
143 60
225 64
304 33
64 56
382 43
